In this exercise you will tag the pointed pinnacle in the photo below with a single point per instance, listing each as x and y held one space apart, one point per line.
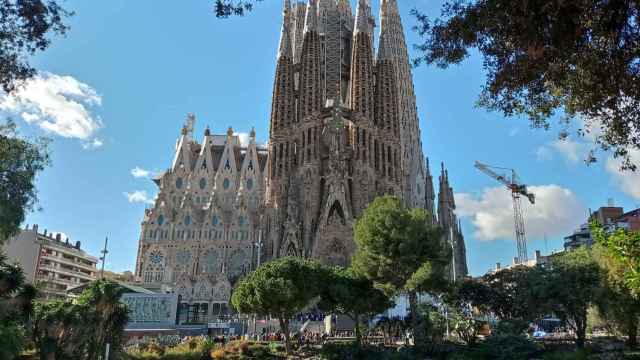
285 49
311 18
363 17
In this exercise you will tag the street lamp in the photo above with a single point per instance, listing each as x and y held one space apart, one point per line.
258 246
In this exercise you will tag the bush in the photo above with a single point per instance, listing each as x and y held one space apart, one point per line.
506 347
512 327
12 340
567 355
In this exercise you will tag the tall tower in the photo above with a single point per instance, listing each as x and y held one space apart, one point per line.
338 112
413 170
448 220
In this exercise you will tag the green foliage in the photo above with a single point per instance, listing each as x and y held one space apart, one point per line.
465 325
226 8
80 330
616 303
506 347
401 251
15 308
25 28
20 161
567 355
280 288
512 327
517 293
355 352
393 243
623 250
353 295
573 284
12 339
580 58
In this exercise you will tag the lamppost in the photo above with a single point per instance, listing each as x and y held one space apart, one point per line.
258 246
104 253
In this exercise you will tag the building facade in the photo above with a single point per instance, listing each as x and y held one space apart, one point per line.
343 130
50 263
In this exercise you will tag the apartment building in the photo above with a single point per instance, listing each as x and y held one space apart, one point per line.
54 265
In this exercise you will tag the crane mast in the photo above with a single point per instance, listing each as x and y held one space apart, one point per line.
517 191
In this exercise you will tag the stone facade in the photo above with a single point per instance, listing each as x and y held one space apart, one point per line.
343 130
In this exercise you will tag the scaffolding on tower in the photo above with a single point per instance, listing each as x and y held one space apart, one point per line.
517 191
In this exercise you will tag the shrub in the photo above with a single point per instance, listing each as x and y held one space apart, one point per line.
567 355
507 347
218 354
511 327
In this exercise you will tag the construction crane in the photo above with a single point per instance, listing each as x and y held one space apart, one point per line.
517 190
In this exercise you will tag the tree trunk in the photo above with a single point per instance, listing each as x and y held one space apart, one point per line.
581 330
356 318
418 333
284 327
632 332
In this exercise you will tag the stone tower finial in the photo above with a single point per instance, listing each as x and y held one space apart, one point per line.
311 19
362 72
230 131
207 132
252 134
285 48
363 17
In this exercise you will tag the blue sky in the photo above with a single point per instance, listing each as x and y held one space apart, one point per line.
114 93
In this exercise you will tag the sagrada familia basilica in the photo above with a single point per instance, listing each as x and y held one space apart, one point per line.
343 129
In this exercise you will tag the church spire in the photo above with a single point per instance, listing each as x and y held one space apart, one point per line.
362 78
283 105
429 192
386 91
310 79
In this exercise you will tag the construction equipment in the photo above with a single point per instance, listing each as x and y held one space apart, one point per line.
517 189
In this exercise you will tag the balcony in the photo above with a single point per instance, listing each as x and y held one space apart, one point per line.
67 272
63 260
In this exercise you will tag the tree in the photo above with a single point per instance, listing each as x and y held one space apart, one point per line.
280 288
623 250
80 330
226 8
20 161
15 308
572 285
516 293
581 58
25 28
616 302
353 295
401 251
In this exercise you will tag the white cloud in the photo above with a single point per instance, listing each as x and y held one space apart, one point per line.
60 105
93 144
139 196
138 172
627 181
572 150
557 211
